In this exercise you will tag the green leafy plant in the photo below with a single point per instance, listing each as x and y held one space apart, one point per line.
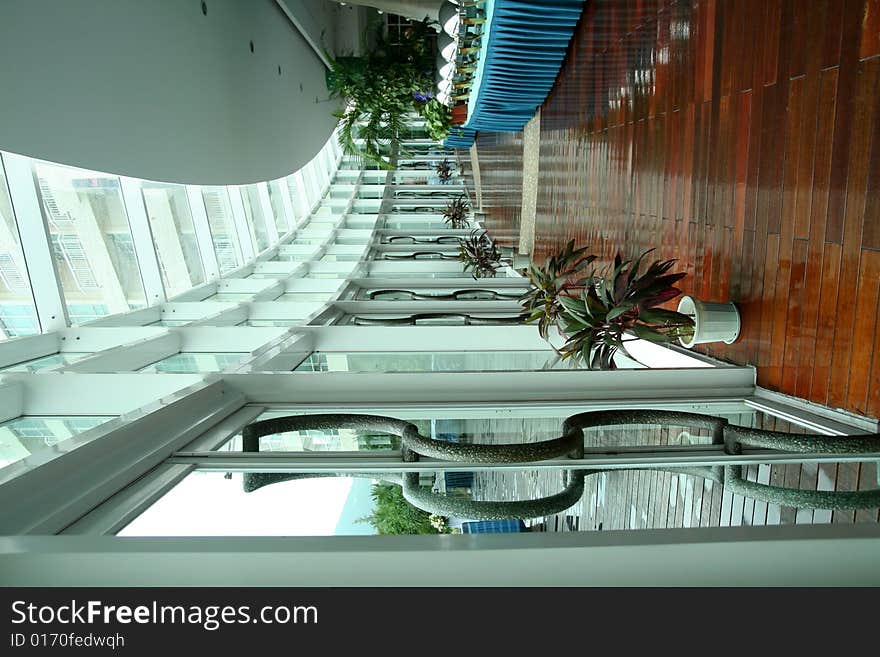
380 89
556 279
479 254
438 119
394 515
456 212
598 314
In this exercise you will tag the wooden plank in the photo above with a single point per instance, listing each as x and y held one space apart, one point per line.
844 124
845 349
825 324
816 270
826 480
793 332
870 43
867 300
868 480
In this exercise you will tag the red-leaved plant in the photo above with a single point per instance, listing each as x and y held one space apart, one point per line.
598 314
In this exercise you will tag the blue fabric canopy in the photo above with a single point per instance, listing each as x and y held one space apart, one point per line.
523 45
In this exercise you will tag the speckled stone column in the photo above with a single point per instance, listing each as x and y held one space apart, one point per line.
571 444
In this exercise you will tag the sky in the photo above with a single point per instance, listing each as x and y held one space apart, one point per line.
207 504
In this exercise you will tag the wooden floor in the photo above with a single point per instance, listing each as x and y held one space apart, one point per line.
743 138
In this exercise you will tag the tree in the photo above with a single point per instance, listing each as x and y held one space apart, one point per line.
380 89
394 515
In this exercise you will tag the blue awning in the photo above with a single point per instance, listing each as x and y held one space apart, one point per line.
524 43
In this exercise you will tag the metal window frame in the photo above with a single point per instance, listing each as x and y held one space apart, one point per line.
36 243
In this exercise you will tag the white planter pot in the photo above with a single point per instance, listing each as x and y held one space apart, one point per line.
713 322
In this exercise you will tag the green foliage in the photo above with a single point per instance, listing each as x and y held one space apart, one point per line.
479 254
599 314
380 89
438 119
394 515
542 303
456 212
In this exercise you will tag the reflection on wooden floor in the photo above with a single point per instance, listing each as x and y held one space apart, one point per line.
743 138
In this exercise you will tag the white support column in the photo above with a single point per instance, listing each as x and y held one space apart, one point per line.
314 185
203 232
35 243
326 176
308 186
142 237
303 200
242 228
289 212
268 213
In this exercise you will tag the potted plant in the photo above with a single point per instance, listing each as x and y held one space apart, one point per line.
381 88
444 171
550 283
598 314
479 254
456 213
713 322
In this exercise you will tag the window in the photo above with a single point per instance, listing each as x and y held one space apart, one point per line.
17 313
91 240
440 361
27 435
187 363
174 236
253 210
276 189
46 362
223 233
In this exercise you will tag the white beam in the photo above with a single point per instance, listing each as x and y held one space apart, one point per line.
240 221
268 213
142 238
289 212
810 555
202 229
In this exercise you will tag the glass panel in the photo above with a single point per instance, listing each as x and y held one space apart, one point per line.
231 296
297 503
418 274
45 362
253 210
276 189
187 363
274 322
318 297
223 233
177 247
91 241
406 224
18 315
214 504
440 361
26 435
341 257
610 499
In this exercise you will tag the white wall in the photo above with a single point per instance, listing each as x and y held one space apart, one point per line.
154 89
